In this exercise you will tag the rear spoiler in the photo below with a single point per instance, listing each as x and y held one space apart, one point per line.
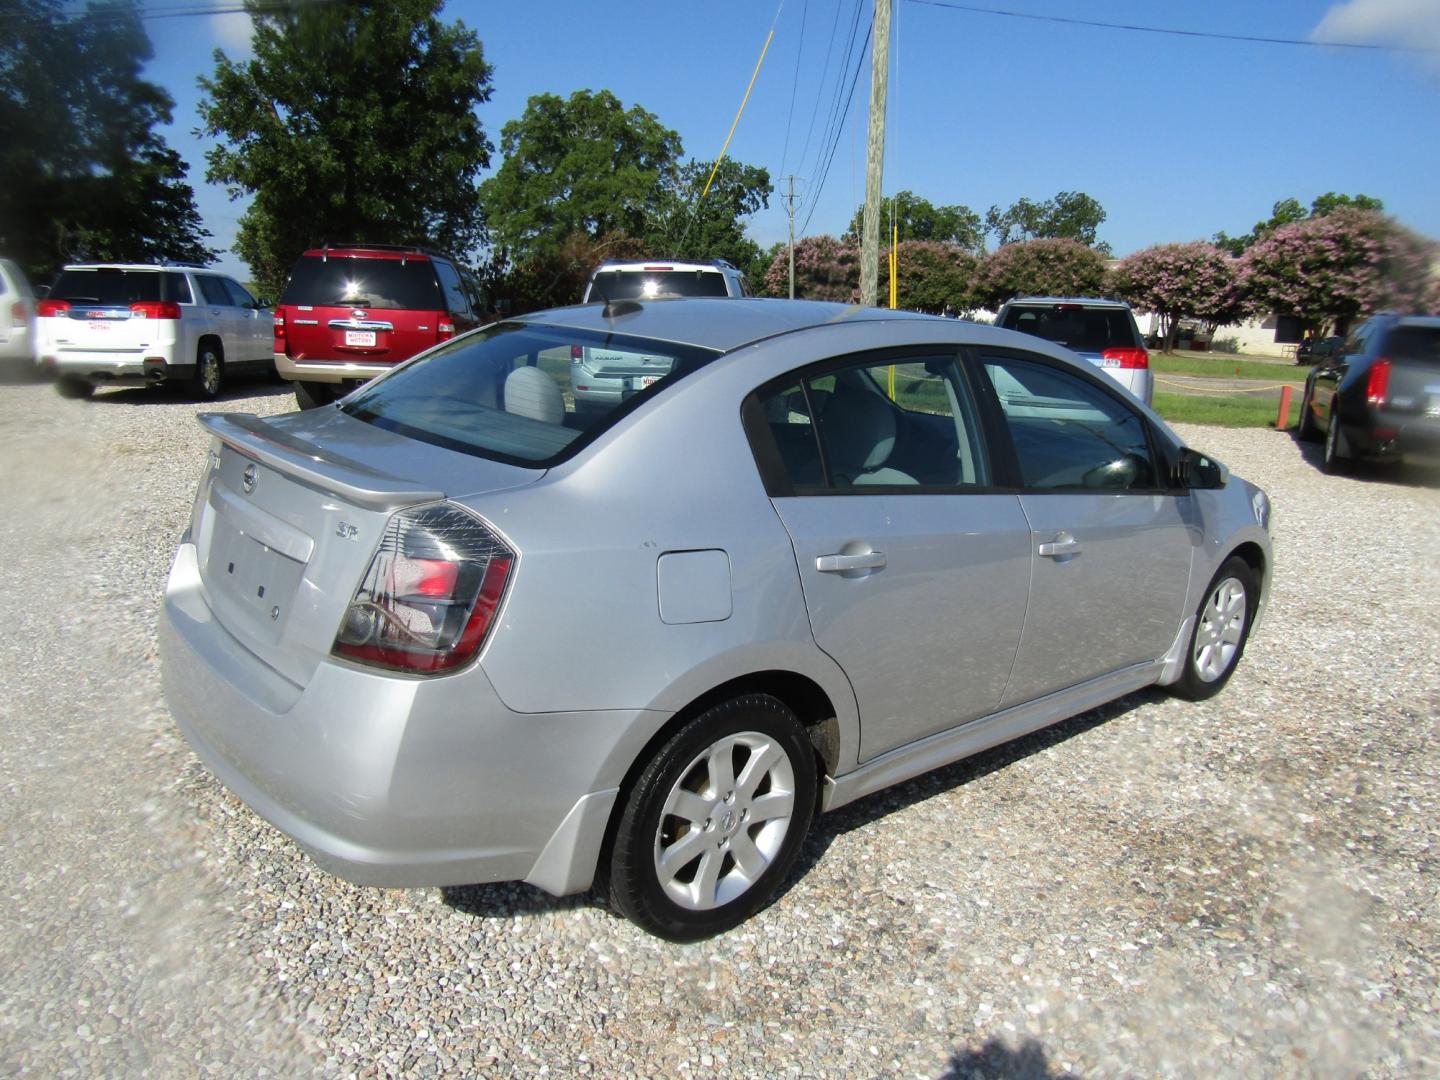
333 474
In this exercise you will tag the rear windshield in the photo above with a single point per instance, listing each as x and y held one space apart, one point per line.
1414 343
648 284
108 286
1081 329
506 391
341 281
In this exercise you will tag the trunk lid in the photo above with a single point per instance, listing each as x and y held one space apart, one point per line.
359 335
289 515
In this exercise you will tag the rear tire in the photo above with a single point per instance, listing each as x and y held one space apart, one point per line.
714 822
1336 460
209 374
1306 428
312 395
1222 627
67 386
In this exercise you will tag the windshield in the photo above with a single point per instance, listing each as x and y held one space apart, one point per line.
347 281
124 287
1077 328
507 391
650 284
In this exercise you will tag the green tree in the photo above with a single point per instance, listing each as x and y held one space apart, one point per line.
686 226
583 164
1070 215
1289 211
1039 268
919 219
933 276
354 121
83 172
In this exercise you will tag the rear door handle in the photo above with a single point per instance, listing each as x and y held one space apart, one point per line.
1062 545
838 564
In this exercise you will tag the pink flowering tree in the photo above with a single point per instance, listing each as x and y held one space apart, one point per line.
1039 268
1182 281
1333 269
825 269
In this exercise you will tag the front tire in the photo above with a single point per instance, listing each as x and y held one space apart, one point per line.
715 820
209 373
1222 626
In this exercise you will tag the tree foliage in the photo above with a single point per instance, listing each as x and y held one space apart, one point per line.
825 269
1070 215
935 277
354 121
1052 267
83 172
919 219
1182 281
1338 266
684 225
1289 211
583 164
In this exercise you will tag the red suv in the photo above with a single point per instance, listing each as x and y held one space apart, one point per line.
350 313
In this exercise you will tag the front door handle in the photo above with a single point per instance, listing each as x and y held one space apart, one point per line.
1061 546
838 564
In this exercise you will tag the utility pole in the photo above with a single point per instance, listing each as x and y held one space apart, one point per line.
790 209
875 155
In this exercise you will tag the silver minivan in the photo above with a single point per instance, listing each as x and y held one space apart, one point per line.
451 630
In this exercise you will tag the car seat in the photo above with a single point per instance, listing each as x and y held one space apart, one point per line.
532 393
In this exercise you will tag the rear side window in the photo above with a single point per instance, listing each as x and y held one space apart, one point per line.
649 284
125 287
1414 344
505 392
456 302
1075 327
387 284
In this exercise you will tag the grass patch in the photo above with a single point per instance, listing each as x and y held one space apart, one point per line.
1220 366
1238 410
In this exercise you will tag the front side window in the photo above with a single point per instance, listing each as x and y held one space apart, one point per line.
910 423
214 290
239 295
506 392
1067 432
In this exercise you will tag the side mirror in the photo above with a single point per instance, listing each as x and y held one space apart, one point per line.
264 303
1195 470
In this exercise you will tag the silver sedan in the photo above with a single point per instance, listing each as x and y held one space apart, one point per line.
451 630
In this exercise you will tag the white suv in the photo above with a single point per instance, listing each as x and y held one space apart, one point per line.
133 324
17 316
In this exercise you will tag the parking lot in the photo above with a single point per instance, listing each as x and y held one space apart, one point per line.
1245 886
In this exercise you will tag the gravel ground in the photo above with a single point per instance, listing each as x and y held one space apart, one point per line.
1241 887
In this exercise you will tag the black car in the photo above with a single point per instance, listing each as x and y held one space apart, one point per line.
1317 352
1378 396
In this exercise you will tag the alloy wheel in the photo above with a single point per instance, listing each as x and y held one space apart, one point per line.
1221 629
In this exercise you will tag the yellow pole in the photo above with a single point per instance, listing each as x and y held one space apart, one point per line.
894 267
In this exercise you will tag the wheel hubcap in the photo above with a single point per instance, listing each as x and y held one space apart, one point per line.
724 821
1222 624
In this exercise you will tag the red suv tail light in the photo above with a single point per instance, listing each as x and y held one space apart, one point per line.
279 331
444 330
428 600
1377 383
51 308
153 309
1128 358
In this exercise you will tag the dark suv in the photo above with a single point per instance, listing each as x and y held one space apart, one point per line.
1378 395
350 313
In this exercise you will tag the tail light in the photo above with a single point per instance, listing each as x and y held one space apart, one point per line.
445 330
279 332
17 311
577 352
1133 359
152 309
52 308
1377 383
428 600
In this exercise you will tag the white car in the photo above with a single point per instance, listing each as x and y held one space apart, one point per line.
17 315
132 324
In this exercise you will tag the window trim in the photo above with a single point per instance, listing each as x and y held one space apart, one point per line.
1162 462
766 452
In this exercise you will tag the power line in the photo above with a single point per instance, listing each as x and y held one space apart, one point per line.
795 84
820 86
849 97
834 122
1213 35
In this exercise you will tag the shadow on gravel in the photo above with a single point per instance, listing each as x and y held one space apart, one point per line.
1405 474
997 1061
236 387
20 373
506 899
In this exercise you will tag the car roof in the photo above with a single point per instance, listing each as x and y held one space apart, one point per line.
664 264
372 251
175 267
723 324
1088 301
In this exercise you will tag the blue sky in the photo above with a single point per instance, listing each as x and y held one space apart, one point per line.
1177 137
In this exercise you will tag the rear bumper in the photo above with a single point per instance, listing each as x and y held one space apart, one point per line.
330 371
115 369
1387 437
395 781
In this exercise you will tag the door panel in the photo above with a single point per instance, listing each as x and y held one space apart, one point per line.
927 639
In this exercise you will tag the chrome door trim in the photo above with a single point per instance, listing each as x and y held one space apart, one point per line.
360 324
